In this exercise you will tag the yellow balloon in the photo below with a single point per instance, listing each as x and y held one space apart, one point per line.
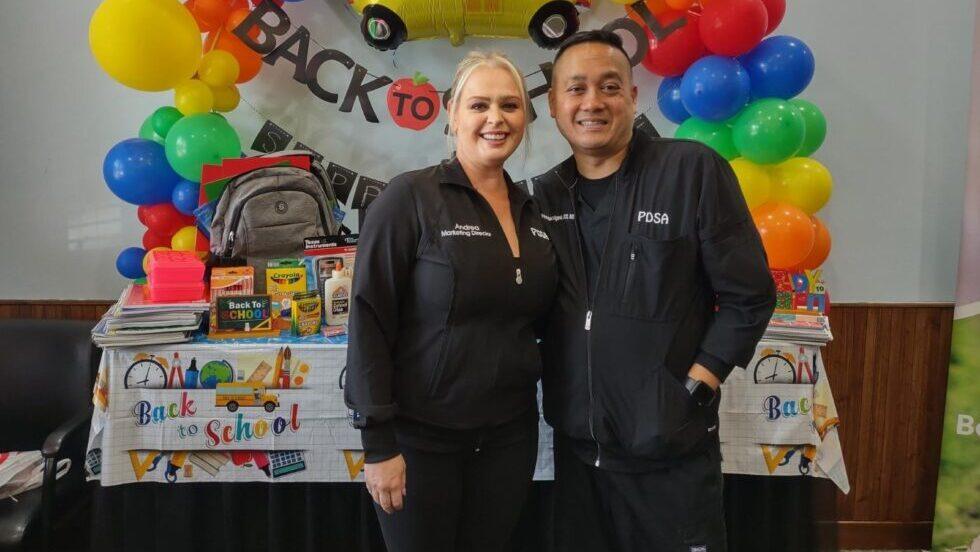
802 181
193 96
149 45
184 239
218 68
146 258
755 181
226 98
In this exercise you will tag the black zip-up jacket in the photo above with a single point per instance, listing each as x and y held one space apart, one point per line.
442 322
683 279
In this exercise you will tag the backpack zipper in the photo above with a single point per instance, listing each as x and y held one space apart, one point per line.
237 214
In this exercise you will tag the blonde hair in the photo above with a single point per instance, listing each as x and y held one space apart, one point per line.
464 70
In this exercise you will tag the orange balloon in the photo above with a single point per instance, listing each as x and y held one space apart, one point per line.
679 4
787 233
211 14
204 25
235 19
821 246
249 61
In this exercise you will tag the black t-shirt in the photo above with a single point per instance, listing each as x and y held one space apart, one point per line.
593 209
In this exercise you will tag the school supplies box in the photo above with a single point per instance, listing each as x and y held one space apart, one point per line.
175 276
283 278
306 313
244 312
323 253
231 280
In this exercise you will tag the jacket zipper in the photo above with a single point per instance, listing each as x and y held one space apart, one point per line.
630 270
518 275
590 304
230 244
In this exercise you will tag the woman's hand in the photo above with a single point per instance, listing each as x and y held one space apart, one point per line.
386 483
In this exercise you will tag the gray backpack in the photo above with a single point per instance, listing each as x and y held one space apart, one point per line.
266 213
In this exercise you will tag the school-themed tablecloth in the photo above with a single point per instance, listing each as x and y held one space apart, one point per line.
274 411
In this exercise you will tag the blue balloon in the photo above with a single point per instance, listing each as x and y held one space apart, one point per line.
137 171
669 100
779 67
129 263
185 196
715 88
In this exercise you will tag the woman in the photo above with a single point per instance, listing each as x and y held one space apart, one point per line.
453 270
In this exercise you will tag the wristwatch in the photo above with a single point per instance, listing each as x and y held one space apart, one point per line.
702 393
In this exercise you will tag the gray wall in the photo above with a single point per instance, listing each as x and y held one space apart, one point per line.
892 78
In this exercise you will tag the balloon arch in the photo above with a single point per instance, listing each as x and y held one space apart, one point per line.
726 81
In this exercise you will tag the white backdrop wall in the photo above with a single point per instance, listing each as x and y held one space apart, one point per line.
892 79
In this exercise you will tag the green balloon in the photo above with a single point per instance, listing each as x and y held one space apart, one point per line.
200 139
816 126
770 130
147 132
717 136
164 118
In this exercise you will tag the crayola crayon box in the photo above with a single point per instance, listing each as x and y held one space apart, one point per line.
307 315
283 278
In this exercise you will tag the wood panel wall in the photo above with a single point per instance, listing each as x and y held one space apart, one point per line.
887 366
66 310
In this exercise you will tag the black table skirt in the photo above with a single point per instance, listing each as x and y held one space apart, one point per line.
762 514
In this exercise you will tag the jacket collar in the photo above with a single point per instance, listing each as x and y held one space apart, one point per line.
451 172
568 173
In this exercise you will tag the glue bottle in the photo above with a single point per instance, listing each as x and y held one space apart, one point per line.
336 296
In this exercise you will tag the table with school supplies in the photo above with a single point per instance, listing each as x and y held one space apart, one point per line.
219 426
227 411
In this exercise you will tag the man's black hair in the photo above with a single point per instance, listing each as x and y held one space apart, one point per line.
601 36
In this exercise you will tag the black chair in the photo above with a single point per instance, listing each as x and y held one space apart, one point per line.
46 404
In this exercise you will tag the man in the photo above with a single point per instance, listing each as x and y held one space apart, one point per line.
664 288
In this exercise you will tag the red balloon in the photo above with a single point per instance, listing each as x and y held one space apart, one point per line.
204 26
165 219
821 246
141 214
776 10
733 27
672 56
787 233
152 239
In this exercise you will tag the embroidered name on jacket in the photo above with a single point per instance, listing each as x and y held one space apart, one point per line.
558 217
539 233
655 218
466 230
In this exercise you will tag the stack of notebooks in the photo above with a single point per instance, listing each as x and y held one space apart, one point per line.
799 328
133 320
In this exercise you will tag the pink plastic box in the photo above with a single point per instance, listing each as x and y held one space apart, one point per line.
176 266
